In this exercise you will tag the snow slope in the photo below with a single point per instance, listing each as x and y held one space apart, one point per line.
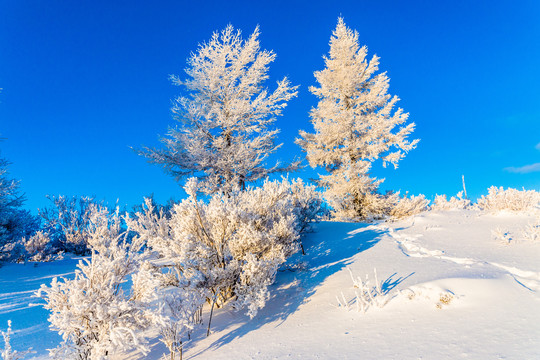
455 291
18 283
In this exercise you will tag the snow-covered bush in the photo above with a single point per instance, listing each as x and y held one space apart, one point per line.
351 203
7 353
226 115
457 202
68 221
95 312
408 206
177 308
307 203
355 124
376 206
510 199
233 244
39 247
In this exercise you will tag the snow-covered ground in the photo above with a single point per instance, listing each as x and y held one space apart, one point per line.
455 290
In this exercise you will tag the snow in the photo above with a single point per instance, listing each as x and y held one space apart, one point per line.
455 292
18 282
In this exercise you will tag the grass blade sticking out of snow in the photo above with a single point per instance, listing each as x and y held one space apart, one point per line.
501 235
7 353
366 295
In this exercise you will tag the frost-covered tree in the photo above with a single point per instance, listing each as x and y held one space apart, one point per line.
355 124
226 115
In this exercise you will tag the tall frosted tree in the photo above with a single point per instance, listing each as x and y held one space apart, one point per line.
355 124
226 116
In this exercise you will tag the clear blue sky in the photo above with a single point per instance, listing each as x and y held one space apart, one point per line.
85 80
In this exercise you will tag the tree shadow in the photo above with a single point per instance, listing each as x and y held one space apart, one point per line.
328 250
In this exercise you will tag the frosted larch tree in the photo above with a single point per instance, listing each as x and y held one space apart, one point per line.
226 115
355 124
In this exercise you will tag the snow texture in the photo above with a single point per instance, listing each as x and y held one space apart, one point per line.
453 291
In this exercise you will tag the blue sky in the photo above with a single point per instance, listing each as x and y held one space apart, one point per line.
83 81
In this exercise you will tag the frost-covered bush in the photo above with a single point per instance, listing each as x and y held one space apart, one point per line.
408 206
307 203
177 308
232 244
7 353
457 202
376 206
39 247
356 204
510 199
68 221
95 312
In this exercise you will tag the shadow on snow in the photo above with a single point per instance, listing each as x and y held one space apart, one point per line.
328 250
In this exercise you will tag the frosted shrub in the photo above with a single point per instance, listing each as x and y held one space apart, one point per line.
306 201
39 247
68 221
94 312
510 199
455 203
7 352
360 205
236 242
231 245
176 307
408 206
181 313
